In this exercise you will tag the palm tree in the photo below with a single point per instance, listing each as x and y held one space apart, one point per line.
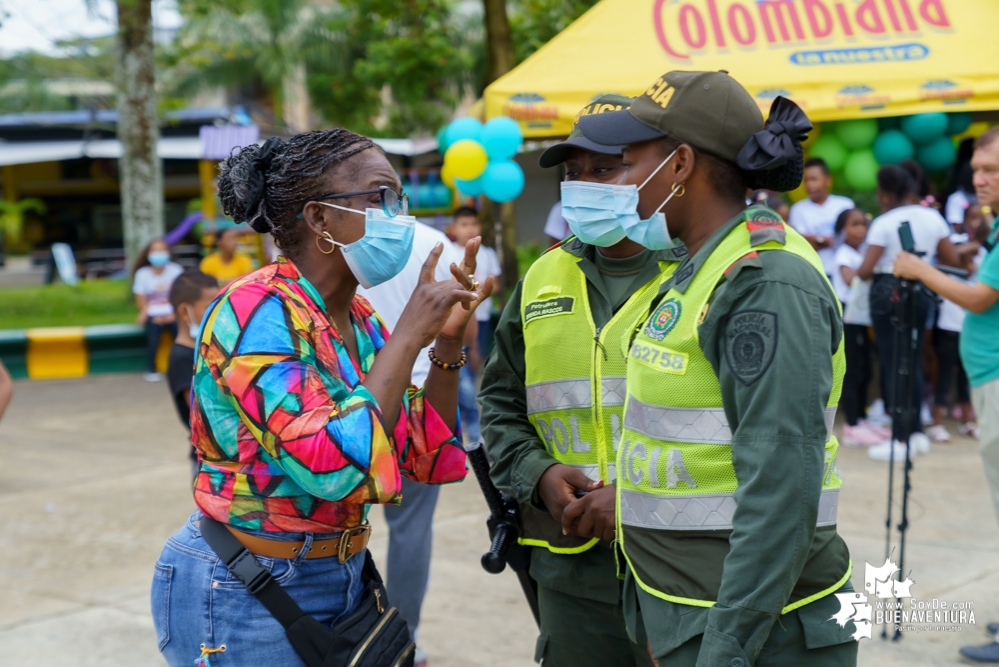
258 42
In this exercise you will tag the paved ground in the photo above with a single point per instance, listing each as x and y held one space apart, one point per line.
94 479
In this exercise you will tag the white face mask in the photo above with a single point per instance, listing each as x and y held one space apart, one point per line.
193 325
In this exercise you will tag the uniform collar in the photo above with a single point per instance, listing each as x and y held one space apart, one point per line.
577 248
690 265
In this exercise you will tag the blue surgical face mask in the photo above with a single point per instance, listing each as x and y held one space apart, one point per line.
159 257
193 326
593 210
384 249
652 232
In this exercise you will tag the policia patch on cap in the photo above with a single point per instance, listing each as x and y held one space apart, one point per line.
750 343
548 308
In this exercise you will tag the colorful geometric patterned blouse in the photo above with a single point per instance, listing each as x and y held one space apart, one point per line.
288 438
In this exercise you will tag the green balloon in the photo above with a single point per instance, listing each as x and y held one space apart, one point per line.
857 133
831 149
442 144
923 128
892 146
861 170
938 155
958 122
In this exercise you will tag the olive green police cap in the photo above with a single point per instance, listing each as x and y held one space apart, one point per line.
559 153
708 110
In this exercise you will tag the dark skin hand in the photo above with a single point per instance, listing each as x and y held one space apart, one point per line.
430 313
692 218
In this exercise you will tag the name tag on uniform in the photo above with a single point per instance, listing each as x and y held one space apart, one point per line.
659 358
548 308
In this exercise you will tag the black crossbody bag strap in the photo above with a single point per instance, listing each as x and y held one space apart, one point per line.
245 567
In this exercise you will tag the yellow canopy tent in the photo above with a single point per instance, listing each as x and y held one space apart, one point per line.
837 59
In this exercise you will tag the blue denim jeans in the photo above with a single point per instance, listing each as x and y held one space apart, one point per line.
468 408
197 602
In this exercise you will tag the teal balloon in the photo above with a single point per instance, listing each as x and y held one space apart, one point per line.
858 133
938 155
463 128
958 122
831 149
442 196
471 188
923 128
892 146
442 144
890 123
861 170
424 196
503 181
501 138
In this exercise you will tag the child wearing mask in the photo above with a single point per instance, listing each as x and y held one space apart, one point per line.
851 228
154 273
190 295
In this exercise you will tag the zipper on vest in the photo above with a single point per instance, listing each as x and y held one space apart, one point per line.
596 399
596 339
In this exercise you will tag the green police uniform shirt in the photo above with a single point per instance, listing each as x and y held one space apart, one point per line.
779 433
520 456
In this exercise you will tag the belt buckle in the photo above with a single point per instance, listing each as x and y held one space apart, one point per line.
343 551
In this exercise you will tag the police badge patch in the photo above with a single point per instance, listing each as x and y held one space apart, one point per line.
750 343
664 319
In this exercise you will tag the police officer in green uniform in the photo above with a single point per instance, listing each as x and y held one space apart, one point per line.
552 397
727 483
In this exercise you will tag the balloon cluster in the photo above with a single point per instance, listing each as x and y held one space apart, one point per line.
858 148
478 159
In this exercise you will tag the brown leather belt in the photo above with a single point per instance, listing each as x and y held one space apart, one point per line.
350 543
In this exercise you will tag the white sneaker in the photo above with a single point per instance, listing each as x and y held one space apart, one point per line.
925 416
969 429
920 444
883 452
938 433
152 377
876 414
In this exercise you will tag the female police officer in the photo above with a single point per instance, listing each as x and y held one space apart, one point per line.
727 486
552 395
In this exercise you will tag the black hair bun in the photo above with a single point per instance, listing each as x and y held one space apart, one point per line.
242 184
784 178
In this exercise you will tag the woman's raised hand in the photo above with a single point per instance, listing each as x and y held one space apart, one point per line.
465 274
431 305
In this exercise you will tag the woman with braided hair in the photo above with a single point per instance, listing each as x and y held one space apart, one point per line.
301 407
726 468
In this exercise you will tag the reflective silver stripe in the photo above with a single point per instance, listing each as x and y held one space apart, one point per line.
700 425
558 395
593 471
613 390
696 425
699 512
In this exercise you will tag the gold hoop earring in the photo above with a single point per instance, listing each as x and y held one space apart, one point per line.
326 236
679 189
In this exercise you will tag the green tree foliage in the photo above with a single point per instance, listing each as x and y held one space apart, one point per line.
535 22
31 81
402 71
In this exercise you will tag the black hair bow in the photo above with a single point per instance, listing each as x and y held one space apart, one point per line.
774 145
257 183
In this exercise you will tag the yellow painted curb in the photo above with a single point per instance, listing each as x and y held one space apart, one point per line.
56 352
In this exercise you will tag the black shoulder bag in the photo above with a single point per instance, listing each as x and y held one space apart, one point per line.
374 635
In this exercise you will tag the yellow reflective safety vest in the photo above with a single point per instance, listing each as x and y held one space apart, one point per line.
574 378
676 481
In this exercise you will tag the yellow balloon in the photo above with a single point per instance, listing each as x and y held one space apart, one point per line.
446 176
974 131
466 159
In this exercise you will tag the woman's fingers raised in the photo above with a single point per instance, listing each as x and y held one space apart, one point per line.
430 265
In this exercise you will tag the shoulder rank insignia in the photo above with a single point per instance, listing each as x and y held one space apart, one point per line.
764 225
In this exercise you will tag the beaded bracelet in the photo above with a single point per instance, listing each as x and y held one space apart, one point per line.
444 365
